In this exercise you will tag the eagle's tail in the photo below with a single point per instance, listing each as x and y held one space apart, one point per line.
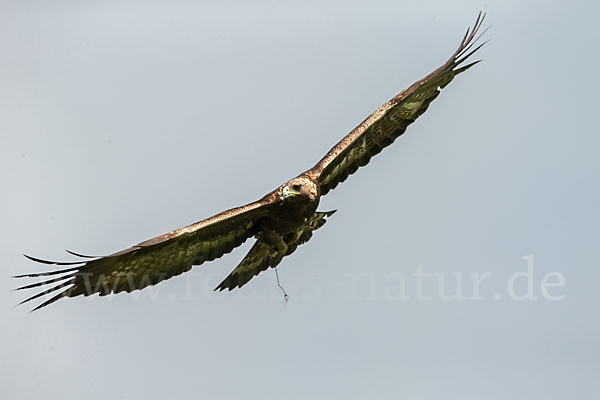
262 255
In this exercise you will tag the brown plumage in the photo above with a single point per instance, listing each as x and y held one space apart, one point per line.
280 221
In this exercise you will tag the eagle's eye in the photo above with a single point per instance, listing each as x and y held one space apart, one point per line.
296 187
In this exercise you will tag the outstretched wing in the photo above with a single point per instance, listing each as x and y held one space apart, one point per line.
154 260
390 120
262 256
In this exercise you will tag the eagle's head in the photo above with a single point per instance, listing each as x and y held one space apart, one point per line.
300 186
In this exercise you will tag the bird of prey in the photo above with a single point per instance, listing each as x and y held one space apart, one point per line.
280 221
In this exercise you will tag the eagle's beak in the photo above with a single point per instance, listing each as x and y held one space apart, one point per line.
285 193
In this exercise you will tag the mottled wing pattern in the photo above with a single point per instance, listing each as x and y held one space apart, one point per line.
262 256
390 120
154 260
257 260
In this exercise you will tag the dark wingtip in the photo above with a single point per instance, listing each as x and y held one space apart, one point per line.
39 274
81 255
67 285
47 302
466 49
48 291
37 284
48 273
466 67
41 261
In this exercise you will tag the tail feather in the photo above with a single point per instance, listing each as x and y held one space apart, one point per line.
261 256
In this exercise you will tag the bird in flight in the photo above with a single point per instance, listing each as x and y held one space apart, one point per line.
280 221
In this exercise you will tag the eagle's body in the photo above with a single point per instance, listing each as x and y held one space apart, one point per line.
280 221
298 200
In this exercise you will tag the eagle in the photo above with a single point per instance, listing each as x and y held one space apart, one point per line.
280 221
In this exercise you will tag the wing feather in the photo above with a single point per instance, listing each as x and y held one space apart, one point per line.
390 120
154 260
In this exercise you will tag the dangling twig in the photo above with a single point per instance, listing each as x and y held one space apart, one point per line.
285 295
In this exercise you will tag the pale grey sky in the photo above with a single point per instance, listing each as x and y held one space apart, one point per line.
122 120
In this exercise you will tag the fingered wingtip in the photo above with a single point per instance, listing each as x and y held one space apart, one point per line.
42 261
36 308
80 255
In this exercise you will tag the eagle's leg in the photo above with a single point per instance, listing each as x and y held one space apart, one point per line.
275 240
